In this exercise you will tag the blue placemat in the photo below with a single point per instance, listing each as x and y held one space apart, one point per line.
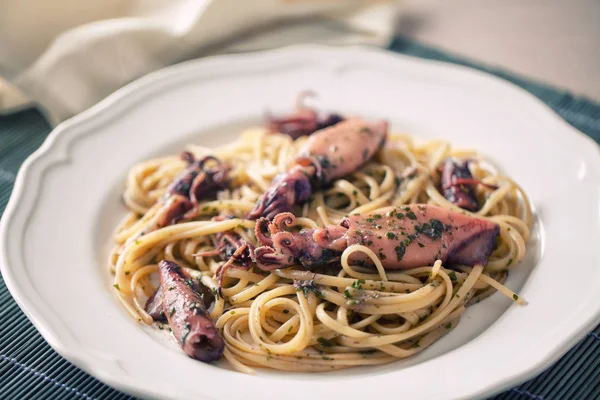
30 369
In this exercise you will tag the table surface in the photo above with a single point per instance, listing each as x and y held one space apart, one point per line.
553 41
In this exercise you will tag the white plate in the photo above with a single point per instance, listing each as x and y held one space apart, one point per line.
57 227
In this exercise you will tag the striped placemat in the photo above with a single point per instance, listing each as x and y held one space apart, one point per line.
30 369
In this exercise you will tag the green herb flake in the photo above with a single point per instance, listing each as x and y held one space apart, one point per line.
421 245
452 276
509 262
448 325
400 250
286 311
515 297
116 286
325 342
188 328
411 215
358 284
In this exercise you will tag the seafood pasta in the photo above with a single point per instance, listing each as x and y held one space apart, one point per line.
315 243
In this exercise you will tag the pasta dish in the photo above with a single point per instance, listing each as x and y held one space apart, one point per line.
315 243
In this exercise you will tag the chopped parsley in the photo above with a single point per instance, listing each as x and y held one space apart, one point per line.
400 250
411 215
452 276
515 297
432 229
188 328
116 286
325 342
358 284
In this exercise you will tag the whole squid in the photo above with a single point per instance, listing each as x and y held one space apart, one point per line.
328 154
458 185
201 179
401 237
182 305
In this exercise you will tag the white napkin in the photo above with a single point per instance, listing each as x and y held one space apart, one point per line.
66 55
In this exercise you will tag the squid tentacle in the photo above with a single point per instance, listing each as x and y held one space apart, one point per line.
286 219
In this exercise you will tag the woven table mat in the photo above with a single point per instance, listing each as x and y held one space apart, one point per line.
30 369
